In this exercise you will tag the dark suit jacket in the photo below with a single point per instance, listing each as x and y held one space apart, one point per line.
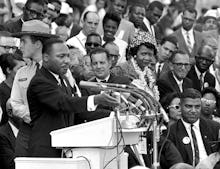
101 111
13 25
50 109
182 44
209 131
167 84
7 147
165 69
209 78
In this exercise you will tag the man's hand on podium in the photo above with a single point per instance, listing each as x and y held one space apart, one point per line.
106 99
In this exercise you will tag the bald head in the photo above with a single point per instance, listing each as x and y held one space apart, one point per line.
90 22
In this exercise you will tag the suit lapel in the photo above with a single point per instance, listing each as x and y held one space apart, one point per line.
204 133
173 82
182 134
10 134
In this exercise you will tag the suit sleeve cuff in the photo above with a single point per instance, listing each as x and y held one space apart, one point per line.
90 104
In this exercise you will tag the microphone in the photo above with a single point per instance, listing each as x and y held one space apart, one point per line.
87 84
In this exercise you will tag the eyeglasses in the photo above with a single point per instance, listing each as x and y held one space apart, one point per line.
207 101
92 44
187 65
113 56
33 12
177 107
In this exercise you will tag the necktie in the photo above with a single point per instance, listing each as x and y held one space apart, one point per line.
158 70
189 44
196 148
69 118
201 81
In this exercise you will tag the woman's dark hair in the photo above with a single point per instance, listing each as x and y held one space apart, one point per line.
213 91
7 60
133 51
111 16
167 99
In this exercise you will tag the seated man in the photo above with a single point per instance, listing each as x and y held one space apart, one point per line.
193 136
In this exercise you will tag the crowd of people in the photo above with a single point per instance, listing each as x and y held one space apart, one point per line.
170 51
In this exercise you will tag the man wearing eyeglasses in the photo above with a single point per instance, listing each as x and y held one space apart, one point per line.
199 73
93 41
175 80
33 9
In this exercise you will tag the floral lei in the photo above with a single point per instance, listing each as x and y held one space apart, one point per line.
146 80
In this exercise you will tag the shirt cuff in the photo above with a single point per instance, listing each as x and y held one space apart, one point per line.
90 103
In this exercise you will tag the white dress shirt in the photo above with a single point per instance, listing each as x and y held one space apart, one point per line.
90 101
191 36
14 129
202 150
149 26
179 83
78 41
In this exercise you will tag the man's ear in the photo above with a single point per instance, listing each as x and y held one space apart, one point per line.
45 57
8 70
39 44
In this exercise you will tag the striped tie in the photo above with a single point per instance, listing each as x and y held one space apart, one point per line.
189 44
196 148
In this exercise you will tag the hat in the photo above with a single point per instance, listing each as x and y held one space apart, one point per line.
35 28
141 37
212 13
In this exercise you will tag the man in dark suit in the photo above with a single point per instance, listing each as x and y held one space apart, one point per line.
199 73
50 99
189 40
8 134
167 46
101 64
175 80
194 136
33 9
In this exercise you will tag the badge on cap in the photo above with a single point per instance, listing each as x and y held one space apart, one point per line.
186 140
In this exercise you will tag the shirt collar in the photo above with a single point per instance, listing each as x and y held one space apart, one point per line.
198 72
14 129
56 76
188 125
177 80
185 32
81 35
106 79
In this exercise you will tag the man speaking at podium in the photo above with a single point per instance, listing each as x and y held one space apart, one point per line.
51 101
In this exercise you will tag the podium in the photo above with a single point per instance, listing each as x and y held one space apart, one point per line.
96 141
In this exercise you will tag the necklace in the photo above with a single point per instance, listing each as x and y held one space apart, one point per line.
146 80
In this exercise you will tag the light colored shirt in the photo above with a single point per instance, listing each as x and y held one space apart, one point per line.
149 26
2 76
21 82
78 41
14 129
191 36
201 147
179 83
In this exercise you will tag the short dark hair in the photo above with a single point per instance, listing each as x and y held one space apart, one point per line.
133 51
191 10
171 39
57 1
7 60
48 44
190 93
94 34
121 0
111 16
210 90
132 8
40 2
155 4
175 53
99 50
167 99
